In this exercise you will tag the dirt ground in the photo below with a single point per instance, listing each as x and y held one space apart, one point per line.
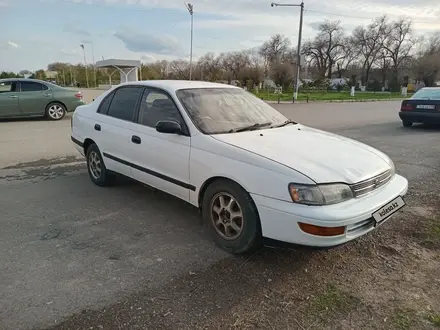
389 279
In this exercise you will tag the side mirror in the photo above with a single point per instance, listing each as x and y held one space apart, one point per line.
168 126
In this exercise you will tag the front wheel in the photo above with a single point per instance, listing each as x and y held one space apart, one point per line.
232 217
406 123
55 111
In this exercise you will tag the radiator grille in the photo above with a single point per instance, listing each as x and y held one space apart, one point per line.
366 186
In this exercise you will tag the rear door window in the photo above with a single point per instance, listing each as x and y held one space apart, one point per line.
31 86
124 102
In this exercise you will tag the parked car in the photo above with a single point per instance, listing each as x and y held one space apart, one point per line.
252 172
422 107
35 98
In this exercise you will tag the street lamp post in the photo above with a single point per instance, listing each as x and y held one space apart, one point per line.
298 64
191 12
85 65
94 64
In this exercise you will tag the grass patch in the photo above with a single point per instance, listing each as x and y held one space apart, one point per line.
333 300
431 233
329 96
435 319
404 319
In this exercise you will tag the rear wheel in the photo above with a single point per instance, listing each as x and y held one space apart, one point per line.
406 123
55 111
96 167
232 217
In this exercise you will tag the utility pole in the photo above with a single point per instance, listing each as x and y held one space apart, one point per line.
190 8
298 61
85 65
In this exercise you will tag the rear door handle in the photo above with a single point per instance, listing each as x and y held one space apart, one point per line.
136 139
97 127
47 94
13 96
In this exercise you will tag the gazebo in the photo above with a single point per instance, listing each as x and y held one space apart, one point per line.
128 69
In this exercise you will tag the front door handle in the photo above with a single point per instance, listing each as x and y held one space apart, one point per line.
97 127
136 139
13 96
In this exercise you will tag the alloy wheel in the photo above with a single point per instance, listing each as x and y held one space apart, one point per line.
95 165
227 216
56 111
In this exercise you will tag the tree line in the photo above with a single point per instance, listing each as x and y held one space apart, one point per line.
384 54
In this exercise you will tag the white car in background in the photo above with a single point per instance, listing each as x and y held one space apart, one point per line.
252 172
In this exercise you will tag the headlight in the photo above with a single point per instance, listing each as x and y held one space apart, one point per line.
393 168
324 194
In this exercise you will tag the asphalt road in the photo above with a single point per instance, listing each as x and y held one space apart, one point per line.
67 245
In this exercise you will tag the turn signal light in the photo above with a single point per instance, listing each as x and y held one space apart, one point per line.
321 231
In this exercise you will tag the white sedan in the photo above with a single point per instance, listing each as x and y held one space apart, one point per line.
252 172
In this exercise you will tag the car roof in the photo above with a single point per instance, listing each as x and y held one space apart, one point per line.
174 85
23 79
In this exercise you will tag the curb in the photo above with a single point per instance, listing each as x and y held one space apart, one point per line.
334 101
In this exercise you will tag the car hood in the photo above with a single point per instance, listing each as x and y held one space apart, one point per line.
322 156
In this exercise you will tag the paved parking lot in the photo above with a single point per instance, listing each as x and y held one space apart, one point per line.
68 247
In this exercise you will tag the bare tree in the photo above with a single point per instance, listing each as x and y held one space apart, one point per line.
315 51
282 73
398 45
383 63
233 63
210 67
255 71
327 48
273 50
179 69
333 37
369 41
349 55
426 66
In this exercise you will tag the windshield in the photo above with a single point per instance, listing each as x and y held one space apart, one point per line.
427 93
223 110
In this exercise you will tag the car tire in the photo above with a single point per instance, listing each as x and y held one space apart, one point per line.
95 165
407 123
237 234
55 111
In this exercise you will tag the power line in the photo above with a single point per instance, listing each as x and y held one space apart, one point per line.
340 15
357 17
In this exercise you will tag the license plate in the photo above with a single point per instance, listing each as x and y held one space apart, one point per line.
425 106
388 210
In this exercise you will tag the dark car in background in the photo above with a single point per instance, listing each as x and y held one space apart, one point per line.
35 98
422 107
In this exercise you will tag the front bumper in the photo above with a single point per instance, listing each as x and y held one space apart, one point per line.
420 117
279 219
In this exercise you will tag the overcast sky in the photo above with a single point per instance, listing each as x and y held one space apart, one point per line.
38 32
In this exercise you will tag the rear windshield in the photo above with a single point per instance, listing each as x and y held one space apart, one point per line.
427 94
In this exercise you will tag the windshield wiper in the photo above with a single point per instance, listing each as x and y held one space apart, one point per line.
250 127
287 122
